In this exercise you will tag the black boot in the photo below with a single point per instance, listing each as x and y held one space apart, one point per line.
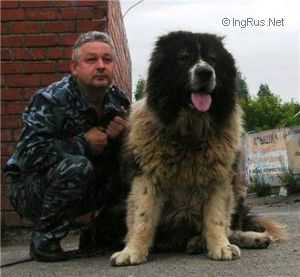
45 246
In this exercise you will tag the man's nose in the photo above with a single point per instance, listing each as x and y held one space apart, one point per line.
100 63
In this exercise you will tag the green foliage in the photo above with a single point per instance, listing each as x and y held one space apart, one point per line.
289 114
267 111
289 180
260 187
264 90
140 89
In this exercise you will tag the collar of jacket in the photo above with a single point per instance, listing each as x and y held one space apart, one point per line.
111 94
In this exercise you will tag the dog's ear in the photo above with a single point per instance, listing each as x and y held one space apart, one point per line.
221 38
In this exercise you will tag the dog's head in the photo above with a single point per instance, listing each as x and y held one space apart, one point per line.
191 71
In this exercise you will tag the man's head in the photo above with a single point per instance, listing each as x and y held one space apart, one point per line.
93 59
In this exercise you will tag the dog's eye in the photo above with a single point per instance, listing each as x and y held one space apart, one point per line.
212 59
183 56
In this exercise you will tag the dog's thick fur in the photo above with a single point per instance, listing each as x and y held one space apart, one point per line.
182 156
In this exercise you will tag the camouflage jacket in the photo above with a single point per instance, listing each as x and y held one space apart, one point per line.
54 125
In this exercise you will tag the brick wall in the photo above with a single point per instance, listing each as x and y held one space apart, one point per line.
36 46
117 31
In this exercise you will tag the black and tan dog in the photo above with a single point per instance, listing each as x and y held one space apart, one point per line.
182 145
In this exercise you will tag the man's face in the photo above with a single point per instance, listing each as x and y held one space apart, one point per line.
95 64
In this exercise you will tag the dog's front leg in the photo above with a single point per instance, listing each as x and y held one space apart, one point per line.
144 207
216 221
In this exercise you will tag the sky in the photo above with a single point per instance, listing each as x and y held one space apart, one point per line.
264 53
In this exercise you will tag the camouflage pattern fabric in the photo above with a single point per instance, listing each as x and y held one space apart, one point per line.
54 174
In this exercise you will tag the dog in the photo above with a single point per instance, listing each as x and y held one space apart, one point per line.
181 148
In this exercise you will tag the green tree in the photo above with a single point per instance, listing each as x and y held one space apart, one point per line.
290 114
267 111
264 90
140 89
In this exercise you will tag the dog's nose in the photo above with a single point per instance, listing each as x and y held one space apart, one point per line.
204 73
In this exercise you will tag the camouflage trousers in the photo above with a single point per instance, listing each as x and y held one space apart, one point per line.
69 189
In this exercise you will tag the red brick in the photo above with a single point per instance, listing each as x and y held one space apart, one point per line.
3 163
42 14
55 53
12 14
30 53
37 53
13 107
7 149
47 79
11 121
64 67
3 197
25 27
11 94
39 67
9 4
41 40
11 68
16 134
7 54
6 135
66 3
100 12
12 41
77 13
86 3
68 39
68 52
6 28
59 27
28 93
22 54
88 25
37 4
18 81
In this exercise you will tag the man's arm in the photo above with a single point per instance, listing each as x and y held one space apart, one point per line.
41 144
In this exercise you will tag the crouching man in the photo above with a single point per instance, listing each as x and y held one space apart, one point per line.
66 163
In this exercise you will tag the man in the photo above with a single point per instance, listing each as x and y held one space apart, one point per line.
66 162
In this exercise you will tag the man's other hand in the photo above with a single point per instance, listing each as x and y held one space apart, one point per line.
116 127
97 140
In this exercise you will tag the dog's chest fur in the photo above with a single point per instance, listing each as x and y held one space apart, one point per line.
184 171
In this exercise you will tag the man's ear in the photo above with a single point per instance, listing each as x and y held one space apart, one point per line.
73 67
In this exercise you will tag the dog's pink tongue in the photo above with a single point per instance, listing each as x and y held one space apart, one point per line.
201 102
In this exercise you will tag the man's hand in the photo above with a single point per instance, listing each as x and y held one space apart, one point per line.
116 127
97 140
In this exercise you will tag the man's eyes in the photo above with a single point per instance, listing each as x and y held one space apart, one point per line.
107 59
91 60
95 59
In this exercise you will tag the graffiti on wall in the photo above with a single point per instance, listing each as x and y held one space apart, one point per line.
267 154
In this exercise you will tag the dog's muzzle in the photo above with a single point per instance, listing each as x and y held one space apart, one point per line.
202 77
202 84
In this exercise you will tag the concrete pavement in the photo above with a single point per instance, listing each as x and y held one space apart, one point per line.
279 260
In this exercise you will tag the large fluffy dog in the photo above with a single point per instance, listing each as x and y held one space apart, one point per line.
183 142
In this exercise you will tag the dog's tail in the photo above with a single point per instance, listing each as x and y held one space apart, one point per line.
244 220
276 230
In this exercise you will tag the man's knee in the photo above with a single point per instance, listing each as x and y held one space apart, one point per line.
76 167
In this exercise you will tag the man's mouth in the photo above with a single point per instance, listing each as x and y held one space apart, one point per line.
100 77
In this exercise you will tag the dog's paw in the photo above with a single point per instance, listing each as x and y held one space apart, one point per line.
227 252
261 243
127 257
